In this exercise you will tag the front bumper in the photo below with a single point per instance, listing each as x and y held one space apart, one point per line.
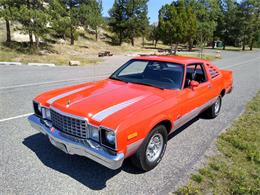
88 149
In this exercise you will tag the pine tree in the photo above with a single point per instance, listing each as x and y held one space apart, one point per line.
173 23
128 19
34 18
68 15
8 10
91 15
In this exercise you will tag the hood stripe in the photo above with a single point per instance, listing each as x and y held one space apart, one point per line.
50 101
94 95
111 110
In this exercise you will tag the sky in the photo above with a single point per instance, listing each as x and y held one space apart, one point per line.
153 8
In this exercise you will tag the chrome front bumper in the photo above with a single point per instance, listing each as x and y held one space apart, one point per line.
89 149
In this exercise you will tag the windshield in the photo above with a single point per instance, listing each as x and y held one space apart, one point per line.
164 75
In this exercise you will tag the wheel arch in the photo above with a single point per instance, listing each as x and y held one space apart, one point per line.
165 122
223 92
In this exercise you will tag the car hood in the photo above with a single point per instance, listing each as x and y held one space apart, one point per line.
100 100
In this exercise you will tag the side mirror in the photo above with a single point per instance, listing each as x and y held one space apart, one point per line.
194 84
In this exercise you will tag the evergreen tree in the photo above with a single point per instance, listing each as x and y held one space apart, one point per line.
249 17
91 15
207 13
128 19
68 15
8 10
137 21
173 23
118 18
34 18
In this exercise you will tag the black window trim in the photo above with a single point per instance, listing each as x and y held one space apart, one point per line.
203 69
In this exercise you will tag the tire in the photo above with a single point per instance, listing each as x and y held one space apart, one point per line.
214 110
143 159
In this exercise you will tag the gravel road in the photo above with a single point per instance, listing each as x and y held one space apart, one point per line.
29 164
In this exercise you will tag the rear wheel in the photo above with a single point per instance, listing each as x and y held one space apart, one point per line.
213 111
152 150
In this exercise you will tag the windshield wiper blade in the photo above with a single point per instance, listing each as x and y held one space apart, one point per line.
147 84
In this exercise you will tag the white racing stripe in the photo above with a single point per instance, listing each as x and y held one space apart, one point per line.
50 101
111 110
15 117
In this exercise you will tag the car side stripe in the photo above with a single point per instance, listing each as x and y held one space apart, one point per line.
108 111
50 101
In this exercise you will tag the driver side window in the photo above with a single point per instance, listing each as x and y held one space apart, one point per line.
195 72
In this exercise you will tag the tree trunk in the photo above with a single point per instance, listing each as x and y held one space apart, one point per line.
244 43
244 46
175 48
37 41
190 44
72 38
31 38
96 34
213 44
143 40
120 38
8 31
251 44
156 41
224 45
132 41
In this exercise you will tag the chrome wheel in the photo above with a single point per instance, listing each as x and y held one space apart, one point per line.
217 105
154 147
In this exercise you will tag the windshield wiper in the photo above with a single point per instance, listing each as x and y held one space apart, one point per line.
147 84
117 79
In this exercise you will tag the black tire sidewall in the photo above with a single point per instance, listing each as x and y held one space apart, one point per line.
220 104
146 164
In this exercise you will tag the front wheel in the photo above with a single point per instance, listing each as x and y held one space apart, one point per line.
152 150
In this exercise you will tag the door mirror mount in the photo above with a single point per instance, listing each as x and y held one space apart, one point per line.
194 84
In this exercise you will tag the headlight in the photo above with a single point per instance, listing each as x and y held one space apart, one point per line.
37 108
108 138
46 113
94 133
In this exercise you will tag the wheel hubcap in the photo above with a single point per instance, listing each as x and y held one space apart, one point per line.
217 105
154 147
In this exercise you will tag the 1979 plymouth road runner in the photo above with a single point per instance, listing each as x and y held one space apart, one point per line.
131 113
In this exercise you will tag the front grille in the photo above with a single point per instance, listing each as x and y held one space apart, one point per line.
72 126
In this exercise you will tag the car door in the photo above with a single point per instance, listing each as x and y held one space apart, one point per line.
193 99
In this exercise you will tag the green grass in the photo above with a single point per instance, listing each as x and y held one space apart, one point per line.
236 170
204 56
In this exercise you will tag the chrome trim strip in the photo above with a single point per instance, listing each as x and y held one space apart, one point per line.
111 110
131 148
91 151
69 115
50 101
192 114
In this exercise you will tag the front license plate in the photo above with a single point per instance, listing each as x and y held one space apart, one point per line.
59 145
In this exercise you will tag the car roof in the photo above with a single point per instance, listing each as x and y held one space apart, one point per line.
176 59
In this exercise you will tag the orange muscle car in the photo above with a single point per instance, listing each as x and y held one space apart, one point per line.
131 113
